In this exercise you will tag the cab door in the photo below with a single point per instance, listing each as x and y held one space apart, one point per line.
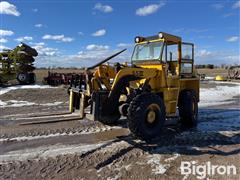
187 59
171 56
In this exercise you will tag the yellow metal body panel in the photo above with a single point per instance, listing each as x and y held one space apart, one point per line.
168 85
190 83
142 73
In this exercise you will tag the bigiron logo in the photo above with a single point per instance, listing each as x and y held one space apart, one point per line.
201 171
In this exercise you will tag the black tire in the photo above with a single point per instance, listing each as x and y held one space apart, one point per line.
188 108
23 78
32 78
140 122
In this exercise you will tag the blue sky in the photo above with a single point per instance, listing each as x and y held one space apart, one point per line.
79 33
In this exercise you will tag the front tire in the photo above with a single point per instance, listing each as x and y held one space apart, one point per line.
146 116
188 108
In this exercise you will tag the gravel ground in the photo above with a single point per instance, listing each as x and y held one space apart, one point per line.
83 149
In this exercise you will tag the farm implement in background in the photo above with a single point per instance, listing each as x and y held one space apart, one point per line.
56 79
234 72
18 64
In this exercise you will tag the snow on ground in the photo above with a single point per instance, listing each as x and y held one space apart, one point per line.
14 103
219 95
7 89
209 78
48 151
155 162
51 104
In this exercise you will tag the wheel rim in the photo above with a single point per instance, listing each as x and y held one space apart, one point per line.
22 77
152 113
151 116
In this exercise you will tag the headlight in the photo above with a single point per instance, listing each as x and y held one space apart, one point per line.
160 35
137 40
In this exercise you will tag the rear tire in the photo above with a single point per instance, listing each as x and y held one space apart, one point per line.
146 116
188 108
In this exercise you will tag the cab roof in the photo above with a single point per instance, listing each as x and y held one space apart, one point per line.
168 38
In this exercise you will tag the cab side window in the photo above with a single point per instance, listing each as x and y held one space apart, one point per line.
172 52
187 58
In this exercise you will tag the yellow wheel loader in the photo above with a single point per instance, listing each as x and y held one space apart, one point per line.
161 82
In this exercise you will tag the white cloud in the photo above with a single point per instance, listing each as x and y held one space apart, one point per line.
90 57
80 33
100 32
6 33
150 9
97 47
203 53
233 58
204 56
3 47
58 38
45 51
25 38
35 10
38 25
3 40
121 45
52 57
228 15
7 8
236 5
217 6
232 39
39 44
103 8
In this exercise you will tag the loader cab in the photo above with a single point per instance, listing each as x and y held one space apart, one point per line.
166 50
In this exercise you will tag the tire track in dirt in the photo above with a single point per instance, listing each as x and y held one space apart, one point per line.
53 129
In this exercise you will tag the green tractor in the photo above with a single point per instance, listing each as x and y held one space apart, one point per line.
18 64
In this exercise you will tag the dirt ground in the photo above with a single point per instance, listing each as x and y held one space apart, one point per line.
213 72
84 149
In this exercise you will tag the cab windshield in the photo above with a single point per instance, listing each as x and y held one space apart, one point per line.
147 51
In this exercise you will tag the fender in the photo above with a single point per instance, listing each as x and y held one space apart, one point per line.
111 104
121 81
